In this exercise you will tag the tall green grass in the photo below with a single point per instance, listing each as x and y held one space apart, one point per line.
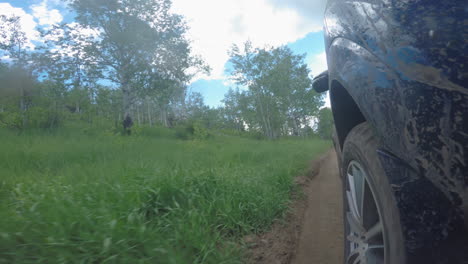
93 197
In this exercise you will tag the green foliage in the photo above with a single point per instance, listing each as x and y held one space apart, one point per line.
141 47
254 135
157 132
146 67
184 132
199 131
41 117
72 197
192 129
279 100
325 124
10 120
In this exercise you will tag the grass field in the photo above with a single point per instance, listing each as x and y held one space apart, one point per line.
84 197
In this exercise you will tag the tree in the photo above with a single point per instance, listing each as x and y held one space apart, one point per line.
195 106
325 123
13 40
140 42
279 99
13 46
62 59
232 110
109 103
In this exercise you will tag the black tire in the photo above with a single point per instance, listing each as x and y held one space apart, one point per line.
360 158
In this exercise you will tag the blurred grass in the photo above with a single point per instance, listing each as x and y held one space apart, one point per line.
89 196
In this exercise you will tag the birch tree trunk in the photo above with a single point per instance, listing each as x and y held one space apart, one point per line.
296 128
148 106
265 124
22 106
126 103
164 116
138 114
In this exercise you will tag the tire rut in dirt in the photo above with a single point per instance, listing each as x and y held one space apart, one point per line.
321 239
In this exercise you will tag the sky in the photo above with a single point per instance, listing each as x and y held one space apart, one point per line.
215 25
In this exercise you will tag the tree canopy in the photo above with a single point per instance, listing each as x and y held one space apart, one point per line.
279 99
130 62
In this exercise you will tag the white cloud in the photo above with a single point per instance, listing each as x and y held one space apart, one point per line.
28 25
311 11
46 16
318 63
59 3
216 25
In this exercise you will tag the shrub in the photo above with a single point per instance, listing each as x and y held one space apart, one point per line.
192 130
39 117
157 132
255 135
11 120
184 132
199 131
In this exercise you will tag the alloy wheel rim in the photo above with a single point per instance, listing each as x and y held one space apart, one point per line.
365 233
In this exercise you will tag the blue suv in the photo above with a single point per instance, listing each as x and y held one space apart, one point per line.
398 82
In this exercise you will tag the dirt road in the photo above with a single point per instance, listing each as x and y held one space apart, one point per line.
312 233
321 239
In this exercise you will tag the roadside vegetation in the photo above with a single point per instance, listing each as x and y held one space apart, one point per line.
90 196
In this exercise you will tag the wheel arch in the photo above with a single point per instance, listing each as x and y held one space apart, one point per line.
346 112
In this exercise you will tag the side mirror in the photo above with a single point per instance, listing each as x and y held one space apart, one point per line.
320 82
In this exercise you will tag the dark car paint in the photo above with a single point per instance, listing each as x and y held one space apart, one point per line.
404 63
320 82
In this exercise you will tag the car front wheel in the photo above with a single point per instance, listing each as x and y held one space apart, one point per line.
372 228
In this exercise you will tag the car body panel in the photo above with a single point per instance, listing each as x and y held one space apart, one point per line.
404 63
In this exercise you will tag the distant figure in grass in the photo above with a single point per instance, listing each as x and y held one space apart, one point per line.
127 125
